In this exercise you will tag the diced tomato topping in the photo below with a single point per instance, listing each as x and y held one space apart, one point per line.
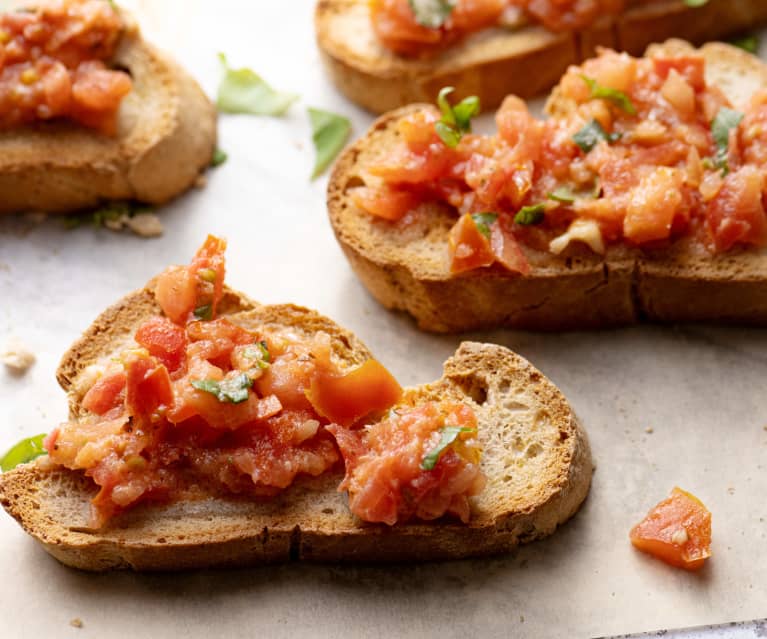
165 340
404 466
469 248
736 214
344 399
692 69
677 531
107 393
387 202
652 206
148 386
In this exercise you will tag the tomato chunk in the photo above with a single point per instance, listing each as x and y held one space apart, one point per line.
386 202
165 340
469 247
347 398
148 386
677 531
107 393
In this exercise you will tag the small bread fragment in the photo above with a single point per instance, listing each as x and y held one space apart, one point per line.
406 267
166 137
496 62
536 458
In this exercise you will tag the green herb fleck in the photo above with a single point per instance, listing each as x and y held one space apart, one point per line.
219 157
204 312
563 194
748 43
111 214
455 120
259 353
329 134
530 215
25 451
432 14
592 134
696 3
619 98
484 221
725 121
244 91
449 435
233 390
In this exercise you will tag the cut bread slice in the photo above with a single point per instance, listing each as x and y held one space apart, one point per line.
536 458
407 267
496 62
165 138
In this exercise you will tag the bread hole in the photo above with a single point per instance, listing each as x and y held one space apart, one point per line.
563 436
161 540
474 388
507 478
123 68
518 444
353 182
533 450
504 386
514 406
328 511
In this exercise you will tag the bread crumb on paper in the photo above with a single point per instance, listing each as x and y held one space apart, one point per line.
76 622
145 225
17 357
649 430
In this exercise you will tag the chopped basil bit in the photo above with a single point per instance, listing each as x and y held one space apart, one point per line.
563 194
432 13
204 312
484 221
455 120
593 133
105 216
244 91
724 122
696 3
619 98
219 157
259 353
233 390
329 134
530 215
25 451
748 43
449 435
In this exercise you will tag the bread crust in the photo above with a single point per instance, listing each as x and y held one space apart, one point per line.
536 457
497 62
405 266
166 137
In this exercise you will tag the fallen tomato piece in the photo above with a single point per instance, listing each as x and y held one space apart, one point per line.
469 247
677 531
347 398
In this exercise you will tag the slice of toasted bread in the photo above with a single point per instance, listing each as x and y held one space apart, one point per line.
166 137
406 266
536 458
496 62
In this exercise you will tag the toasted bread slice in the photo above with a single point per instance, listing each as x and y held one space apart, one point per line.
406 266
166 137
496 62
536 458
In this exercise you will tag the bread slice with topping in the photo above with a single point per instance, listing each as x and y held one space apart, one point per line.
166 136
496 62
407 267
536 458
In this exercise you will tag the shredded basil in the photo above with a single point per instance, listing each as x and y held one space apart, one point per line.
204 312
619 98
563 195
455 120
233 390
530 215
593 133
432 14
724 122
329 134
259 353
449 435
25 451
484 221
696 3
244 91
219 157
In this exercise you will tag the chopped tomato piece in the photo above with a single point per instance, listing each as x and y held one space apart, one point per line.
677 531
736 214
692 69
165 340
347 398
107 393
469 247
148 386
506 249
653 204
386 202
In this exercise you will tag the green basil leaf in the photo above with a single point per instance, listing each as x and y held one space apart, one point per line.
232 391
329 134
619 98
484 221
244 91
25 451
259 353
448 134
448 117
464 111
219 157
696 3
530 215
449 435
748 43
563 194
204 312
432 13
455 120
591 134
724 122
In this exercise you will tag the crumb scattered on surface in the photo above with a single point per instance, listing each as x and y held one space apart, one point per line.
17 357
521 618
649 430
76 622
201 182
731 490
145 225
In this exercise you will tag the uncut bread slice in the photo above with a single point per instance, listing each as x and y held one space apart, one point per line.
406 266
536 458
166 136
496 62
